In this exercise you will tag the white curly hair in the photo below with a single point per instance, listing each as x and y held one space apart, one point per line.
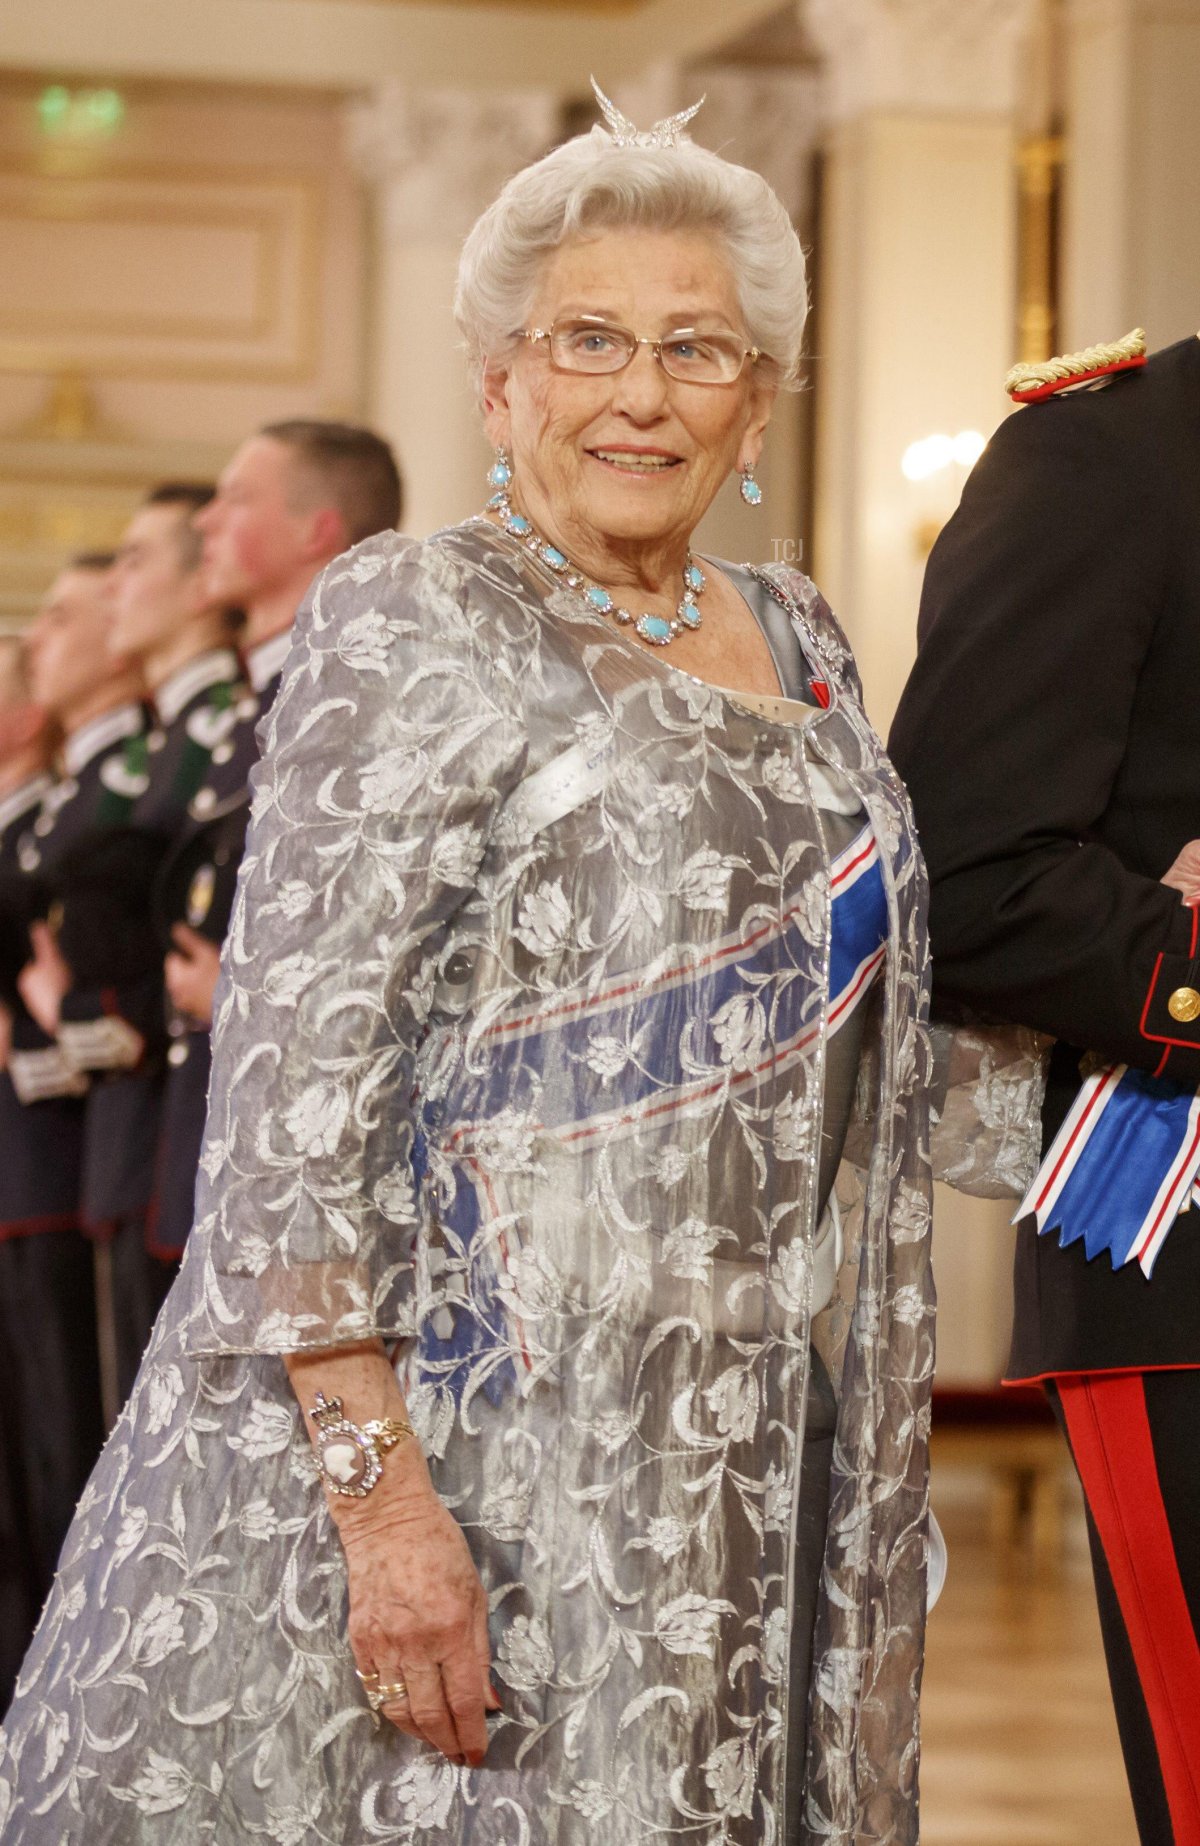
592 184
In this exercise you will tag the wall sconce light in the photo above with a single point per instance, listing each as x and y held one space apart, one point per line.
939 464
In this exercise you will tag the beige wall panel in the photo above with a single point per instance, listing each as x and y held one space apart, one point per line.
198 181
202 272
178 277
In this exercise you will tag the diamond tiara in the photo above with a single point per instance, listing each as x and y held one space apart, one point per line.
663 134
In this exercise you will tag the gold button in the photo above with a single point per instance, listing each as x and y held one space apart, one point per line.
1184 1005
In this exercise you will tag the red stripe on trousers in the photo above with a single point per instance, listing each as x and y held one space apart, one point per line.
1114 1452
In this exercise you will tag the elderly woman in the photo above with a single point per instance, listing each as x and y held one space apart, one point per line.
486 1479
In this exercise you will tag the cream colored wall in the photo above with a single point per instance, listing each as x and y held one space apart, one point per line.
916 334
200 273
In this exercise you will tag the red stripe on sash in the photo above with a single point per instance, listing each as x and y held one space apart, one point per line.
1099 1095
1114 1452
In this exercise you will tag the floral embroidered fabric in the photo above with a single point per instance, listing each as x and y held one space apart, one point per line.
541 1105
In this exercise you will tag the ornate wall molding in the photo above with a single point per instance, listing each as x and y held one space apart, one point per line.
439 157
191 274
935 56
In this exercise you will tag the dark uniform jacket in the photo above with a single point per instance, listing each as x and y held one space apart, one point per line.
114 1021
40 1140
196 886
90 799
1049 740
50 1423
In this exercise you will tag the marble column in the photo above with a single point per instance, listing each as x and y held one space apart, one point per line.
916 292
1131 251
434 160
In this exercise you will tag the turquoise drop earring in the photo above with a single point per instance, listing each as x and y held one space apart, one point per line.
750 490
500 473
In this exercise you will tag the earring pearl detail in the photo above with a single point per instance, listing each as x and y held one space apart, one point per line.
749 489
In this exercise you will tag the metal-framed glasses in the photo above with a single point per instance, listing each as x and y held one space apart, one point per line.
586 343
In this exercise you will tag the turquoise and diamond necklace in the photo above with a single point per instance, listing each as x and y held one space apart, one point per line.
658 630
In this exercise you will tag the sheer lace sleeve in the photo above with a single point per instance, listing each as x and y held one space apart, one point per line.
392 744
989 1082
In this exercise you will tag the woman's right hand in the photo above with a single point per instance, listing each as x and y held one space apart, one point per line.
418 1616
418 1611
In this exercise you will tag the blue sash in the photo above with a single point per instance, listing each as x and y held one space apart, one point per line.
1123 1167
662 1040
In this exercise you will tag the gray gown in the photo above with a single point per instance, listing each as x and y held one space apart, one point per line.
538 1097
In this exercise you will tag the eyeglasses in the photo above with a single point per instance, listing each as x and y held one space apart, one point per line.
588 344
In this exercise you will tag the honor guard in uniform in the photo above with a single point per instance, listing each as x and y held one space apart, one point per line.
45 1263
292 498
193 904
51 1371
1048 737
106 955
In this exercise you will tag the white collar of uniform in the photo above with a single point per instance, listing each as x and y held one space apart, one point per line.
180 688
266 660
20 800
100 734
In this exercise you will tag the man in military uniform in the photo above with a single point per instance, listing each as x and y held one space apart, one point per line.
291 499
102 971
50 1364
45 1264
1049 741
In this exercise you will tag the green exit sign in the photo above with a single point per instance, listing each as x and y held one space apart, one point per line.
79 115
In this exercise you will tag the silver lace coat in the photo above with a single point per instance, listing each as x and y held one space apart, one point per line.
540 1104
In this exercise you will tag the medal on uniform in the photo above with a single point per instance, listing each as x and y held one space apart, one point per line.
200 896
1123 1167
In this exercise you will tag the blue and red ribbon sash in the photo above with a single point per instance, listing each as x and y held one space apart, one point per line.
671 1055
669 1019
1122 1168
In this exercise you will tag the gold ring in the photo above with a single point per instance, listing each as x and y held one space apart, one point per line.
366 1678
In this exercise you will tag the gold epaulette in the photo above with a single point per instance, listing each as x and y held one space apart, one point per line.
1029 384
